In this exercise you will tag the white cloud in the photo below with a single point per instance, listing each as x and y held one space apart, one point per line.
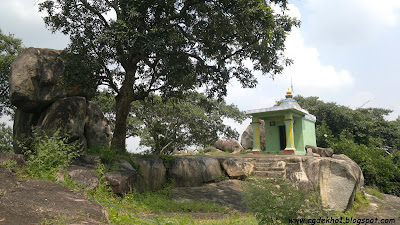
349 22
361 99
307 70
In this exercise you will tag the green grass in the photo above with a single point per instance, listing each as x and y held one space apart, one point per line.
237 219
374 191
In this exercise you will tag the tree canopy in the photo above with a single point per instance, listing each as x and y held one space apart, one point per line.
367 126
165 124
9 49
141 47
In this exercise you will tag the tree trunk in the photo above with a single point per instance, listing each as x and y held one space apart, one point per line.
123 107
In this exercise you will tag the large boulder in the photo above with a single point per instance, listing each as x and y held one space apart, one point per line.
41 101
194 171
67 114
336 179
323 152
230 145
82 175
246 140
22 128
153 172
124 181
35 77
237 168
97 130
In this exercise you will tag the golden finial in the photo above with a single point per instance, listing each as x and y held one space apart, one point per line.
288 92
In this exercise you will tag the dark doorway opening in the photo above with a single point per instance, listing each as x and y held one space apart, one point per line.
282 137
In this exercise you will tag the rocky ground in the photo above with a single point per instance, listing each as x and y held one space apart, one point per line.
31 201
386 208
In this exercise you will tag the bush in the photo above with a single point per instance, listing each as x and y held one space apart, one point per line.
379 169
277 201
6 138
46 154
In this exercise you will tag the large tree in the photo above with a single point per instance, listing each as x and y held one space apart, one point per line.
9 49
169 46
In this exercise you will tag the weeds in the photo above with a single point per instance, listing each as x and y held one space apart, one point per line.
46 154
374 191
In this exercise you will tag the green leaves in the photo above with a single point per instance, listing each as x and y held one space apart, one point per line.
46 154
6 140
171 47
9 49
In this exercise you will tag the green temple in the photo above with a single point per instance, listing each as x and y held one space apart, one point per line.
288 128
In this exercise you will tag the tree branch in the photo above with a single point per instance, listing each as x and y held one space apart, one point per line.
93 10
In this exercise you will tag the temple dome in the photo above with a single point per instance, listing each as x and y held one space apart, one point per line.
289 100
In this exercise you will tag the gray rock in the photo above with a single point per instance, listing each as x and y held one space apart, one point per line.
97 130
194 171
230 145
22 128
153 171
35 77
237 168
323 152
87 160
67 114
83 176
309 152
336 179
212 149
125 165
124 181
246 140
18 158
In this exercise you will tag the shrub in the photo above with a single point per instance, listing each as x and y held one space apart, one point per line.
277 201
6 138
46 154
379 169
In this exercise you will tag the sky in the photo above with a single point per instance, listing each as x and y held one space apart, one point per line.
346 51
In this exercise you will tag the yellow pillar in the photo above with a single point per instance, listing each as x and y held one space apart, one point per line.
290 148
256 135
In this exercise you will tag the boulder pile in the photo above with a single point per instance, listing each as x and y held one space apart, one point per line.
42 101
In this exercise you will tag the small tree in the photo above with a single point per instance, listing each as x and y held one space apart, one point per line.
9 49
6 138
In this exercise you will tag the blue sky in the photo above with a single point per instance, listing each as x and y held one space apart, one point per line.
346 51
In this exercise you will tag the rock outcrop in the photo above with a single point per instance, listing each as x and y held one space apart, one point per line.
237 168
35 79
41 101
246 140
231 145
336 178
124 181
153 172
30 201
322 152
194 171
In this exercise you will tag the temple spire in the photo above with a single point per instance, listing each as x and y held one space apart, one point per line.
291 84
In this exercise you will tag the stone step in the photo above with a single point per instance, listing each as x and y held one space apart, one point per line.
276 164
265 168
276 174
